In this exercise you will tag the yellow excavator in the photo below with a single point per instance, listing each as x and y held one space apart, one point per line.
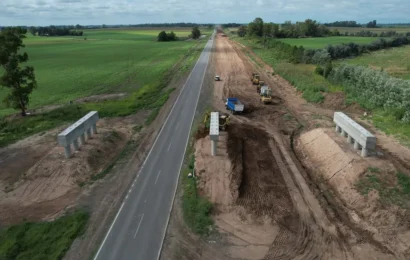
255 79
266 95
223 121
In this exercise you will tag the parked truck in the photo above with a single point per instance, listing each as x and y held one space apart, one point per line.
234 105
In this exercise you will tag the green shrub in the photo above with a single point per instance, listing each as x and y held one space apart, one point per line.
319 70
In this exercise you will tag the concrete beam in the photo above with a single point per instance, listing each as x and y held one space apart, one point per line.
77 130
362 137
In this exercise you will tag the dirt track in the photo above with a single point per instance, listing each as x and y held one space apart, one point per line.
265 206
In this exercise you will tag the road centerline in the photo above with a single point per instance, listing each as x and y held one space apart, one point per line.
157 176
138 228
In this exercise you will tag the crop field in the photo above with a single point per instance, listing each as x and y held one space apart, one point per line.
102 61
321 42
378 30
396 61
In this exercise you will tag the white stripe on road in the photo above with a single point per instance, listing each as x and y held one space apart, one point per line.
169 147
138 226
157 177
180 166
177 126
145 160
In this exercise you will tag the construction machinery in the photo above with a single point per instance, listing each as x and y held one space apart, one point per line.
234 105
223 120
217 78
261 84
255 79
266 94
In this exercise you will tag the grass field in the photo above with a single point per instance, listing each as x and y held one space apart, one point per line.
110 60
378 30
44 240
321 42
395 61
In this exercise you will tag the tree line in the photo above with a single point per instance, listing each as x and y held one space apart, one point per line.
343 24
163 36
54 31
308 28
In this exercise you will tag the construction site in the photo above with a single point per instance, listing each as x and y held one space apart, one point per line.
282 181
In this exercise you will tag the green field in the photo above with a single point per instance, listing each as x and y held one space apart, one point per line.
43 240
396 61
109 60
378 30
321 42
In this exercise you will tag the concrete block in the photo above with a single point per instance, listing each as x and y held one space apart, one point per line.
364 152
82 139
75 144
349 139
67 151
356 145
356 131
214 126
338 129
77 129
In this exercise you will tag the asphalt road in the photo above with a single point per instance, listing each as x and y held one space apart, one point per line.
138 229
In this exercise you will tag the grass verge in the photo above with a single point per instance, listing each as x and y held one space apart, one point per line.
196 209
42 241
393 188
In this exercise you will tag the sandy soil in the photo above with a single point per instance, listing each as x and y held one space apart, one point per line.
267 206
37 182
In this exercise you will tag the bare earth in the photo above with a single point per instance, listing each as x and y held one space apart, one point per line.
269 200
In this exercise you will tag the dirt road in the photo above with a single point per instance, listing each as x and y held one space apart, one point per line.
265 207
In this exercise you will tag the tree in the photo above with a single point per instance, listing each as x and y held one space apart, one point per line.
162 36
242 31
171 36
78 26
372 24
255 28
267 32
196 33
33 30
20 80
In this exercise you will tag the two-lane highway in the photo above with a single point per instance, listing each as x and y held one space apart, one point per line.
138 229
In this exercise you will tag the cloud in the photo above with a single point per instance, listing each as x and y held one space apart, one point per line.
45 12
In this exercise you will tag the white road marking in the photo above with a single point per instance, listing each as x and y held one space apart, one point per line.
157 176
169 147
126 197
177 126
142 167
138 226
186 145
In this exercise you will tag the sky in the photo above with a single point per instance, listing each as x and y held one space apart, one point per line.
96 12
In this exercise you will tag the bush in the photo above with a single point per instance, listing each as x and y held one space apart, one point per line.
328 69
319 70
166 37
374 89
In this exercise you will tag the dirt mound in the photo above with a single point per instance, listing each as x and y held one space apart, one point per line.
339 168
37 182
55 178
329 156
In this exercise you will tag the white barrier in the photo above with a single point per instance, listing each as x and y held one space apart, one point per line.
85 126
355 133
